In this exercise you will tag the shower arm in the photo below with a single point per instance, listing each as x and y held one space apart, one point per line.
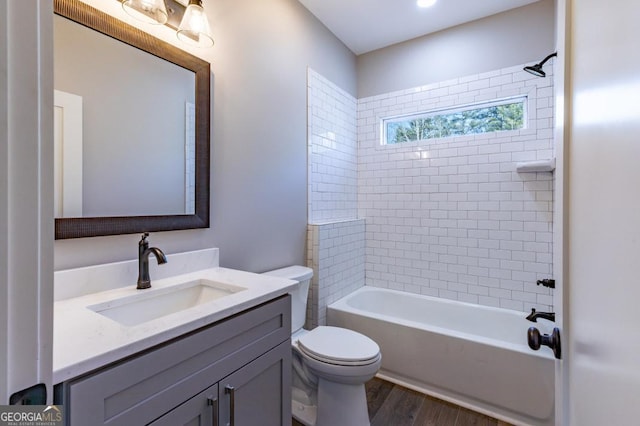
547 58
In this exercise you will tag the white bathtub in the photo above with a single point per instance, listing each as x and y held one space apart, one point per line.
473 356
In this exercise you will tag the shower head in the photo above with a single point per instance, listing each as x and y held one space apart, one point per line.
537 68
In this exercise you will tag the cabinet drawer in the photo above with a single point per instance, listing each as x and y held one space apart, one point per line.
142 388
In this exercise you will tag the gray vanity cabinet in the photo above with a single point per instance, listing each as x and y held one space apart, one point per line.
236 371
260 392
201 410
257 394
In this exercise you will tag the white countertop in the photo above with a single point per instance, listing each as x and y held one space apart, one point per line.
85 340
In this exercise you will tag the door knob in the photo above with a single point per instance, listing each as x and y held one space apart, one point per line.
535 340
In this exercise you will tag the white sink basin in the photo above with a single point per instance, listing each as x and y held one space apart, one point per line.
148 305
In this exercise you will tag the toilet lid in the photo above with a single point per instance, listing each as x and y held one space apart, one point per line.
336 345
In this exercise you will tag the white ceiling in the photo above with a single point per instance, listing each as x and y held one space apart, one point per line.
366 25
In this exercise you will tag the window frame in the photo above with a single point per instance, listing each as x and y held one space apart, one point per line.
523 99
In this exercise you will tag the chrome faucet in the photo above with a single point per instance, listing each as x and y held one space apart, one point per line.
533 316
144 281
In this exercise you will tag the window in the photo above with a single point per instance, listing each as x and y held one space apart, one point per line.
495 116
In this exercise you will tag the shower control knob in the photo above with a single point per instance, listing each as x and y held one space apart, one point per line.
535 340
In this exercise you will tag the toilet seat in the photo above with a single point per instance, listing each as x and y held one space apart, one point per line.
339 346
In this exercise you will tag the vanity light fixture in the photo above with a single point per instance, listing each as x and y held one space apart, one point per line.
194 27
187 17
425 3
149 11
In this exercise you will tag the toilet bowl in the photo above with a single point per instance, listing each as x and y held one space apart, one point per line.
330 365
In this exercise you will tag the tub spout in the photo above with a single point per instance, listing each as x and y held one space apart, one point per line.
533 316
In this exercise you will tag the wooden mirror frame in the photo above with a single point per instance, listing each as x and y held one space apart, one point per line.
99 226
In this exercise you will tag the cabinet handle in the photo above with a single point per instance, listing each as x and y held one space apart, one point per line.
232 393
213 403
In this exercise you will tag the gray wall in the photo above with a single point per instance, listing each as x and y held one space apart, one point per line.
525 34
259 138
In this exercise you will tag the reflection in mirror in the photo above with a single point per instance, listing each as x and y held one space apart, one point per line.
131 126
137 147
67 119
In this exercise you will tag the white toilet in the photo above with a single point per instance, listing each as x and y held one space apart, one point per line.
330 364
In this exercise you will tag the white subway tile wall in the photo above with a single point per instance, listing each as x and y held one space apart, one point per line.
336 252
335 238
451 217
332 150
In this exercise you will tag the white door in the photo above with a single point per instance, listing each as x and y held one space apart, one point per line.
26 197
601 336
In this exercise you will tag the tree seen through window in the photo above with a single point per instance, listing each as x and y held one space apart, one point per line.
492 118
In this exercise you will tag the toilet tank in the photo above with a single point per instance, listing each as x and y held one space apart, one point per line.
299 295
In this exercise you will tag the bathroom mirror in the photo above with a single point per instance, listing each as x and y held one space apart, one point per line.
132 128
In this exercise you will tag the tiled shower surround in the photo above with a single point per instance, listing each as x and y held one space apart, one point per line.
335 237
446 217
336 254
451 217
332 150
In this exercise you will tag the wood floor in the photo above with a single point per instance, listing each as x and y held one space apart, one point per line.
393 405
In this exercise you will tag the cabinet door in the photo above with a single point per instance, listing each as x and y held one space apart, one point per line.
201 410
260 392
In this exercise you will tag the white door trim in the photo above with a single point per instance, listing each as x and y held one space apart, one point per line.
26 196
68 154
562 127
